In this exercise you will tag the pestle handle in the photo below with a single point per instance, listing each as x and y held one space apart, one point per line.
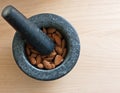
40 41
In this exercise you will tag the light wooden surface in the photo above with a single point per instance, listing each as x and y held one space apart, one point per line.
98 69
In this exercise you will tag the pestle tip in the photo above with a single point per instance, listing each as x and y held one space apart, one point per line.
6 11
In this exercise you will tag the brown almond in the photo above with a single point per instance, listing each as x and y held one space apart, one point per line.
44 30
33 55
53 65
34 51
38 59
63 44
52 54
58 50
64 52
28 51
57 40
59 34
53 35
47 64
49 59
32 60
50 36
43 57
51 30
40 65
58 60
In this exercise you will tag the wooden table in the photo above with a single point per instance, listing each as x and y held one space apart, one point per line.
97 23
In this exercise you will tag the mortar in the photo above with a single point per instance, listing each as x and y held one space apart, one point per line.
73 48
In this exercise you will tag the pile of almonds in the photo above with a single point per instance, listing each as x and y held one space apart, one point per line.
52 60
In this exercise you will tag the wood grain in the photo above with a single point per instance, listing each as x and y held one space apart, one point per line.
97 23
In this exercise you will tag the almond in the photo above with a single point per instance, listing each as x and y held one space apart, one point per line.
50 36
59 34
47 64
32 60
53 54
64 52
49 59
63 44
44 30
34 51
51 30
38 59
57 40
33 55
58 60
53 65
43 57
58 50
53 36
40 66
28 51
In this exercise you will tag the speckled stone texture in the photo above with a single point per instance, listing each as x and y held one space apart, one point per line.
73 46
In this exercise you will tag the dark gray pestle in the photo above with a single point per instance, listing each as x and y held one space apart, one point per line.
40 41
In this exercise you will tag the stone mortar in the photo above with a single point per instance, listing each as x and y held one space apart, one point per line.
73 47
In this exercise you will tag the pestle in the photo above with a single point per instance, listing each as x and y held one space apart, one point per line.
39 40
